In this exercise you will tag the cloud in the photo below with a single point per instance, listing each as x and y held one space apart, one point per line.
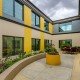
57 9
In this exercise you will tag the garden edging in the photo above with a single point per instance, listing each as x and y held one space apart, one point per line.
12 71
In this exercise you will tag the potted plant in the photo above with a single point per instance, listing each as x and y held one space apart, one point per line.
52 56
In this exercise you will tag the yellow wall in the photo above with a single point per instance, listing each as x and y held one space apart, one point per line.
27 16
42 34
0 7
42 41
41 23
50 28
53 28
27 31
27 39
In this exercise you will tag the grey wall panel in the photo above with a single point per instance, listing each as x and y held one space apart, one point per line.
75 27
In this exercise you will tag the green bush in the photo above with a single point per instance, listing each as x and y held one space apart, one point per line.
51 50
9 62
1 69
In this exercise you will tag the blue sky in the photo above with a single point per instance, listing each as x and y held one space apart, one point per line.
57 9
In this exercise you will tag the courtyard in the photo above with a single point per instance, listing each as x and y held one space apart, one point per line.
39 70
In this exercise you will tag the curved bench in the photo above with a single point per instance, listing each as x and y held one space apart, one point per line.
12 71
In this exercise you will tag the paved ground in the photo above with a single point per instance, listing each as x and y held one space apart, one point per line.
39 70
76 68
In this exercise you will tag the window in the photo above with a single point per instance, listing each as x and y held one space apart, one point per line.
35 20
35 44
63 43
50 42
12 45
46 43
46 25
65 27
13 8
8 7
18 10
18 44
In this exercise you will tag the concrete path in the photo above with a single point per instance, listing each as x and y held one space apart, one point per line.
76 68
39 70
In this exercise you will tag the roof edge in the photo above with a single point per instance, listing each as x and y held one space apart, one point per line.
67 19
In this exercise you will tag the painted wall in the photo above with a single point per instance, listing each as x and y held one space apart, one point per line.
0 7
35 34
50 28
27 39
42 34
75 39
27 31
27 16
41 23
48 36
75 27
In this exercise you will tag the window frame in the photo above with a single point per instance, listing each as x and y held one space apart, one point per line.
65 24
12 43
45 26
13 15
35 46
64 40
46 42
22 9
36 19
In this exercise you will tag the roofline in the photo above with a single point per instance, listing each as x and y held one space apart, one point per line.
40 11
67 19
35 9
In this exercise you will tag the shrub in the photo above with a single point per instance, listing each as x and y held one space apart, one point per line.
51 50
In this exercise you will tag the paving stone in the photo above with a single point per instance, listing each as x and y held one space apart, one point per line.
39 70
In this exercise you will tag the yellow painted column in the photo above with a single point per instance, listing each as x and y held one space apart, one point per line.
0 7
27 31
27 16
41 23
42 41
50 28
27 39
53 28
42 34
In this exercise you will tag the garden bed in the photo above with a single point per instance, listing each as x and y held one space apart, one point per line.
12 71
9 60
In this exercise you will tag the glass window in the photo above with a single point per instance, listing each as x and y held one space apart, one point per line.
12 8
35 20
50 42
12 45
35 44
18 10
46 25
65 27
8 46
46 43
65 43
8 7
18 45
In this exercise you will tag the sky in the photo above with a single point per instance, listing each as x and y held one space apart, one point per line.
57 9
